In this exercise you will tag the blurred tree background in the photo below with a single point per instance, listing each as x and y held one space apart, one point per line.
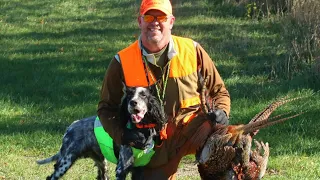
297 20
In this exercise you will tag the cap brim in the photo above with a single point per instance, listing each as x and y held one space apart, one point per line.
160 9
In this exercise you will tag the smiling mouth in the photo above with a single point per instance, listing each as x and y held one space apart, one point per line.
154 29
138 116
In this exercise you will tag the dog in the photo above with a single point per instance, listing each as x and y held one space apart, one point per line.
139 107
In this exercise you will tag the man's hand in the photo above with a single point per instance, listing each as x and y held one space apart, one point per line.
219 116
132 137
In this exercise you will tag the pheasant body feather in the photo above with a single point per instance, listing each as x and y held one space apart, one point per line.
228 152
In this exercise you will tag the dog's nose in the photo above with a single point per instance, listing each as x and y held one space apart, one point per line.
133 103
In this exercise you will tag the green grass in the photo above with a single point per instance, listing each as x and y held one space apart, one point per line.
54 54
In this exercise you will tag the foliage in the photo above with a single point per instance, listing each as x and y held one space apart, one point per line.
302 31
299 20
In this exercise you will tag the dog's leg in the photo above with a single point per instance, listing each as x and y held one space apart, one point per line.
125 162
62 166
121 175
102 166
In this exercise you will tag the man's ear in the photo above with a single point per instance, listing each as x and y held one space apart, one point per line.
139 21
172 19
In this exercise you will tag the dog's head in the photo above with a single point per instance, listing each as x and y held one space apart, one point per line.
137 99
142 107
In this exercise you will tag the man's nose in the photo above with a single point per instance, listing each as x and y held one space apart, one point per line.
155 21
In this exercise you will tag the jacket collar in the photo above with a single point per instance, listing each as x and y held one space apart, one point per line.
150 57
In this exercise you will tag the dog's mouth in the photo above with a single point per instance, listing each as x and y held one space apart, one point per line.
138 115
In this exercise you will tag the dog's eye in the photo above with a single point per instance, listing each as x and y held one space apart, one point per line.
143 94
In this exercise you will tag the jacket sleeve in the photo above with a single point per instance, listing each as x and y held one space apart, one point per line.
215 84
110 99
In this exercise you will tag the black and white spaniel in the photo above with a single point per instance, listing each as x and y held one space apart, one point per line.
139 107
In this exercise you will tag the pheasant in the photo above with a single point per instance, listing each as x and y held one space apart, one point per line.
228 153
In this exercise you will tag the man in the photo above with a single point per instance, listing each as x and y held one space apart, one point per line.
169 64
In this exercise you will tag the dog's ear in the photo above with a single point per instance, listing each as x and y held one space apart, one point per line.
156 111
124 115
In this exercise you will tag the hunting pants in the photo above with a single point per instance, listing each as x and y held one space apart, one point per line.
182 140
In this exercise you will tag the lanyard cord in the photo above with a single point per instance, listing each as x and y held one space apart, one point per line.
164 79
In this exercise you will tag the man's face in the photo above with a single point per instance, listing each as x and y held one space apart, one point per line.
156 32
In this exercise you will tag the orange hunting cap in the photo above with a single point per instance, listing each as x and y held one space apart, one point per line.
161 5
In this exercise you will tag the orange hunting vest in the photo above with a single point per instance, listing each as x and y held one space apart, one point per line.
183 64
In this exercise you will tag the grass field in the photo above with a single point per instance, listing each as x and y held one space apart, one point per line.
53 56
